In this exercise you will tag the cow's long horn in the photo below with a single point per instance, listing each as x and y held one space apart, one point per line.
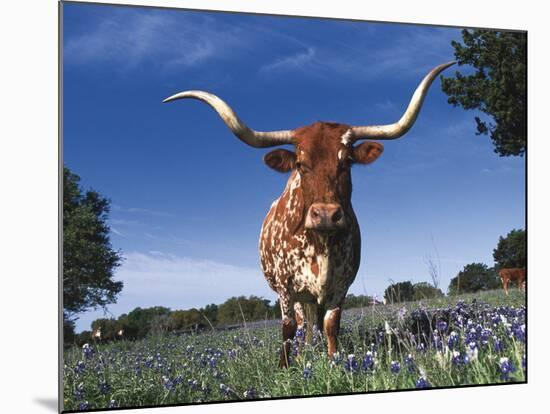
398 129
253 138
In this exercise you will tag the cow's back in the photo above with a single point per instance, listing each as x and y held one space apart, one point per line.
513 274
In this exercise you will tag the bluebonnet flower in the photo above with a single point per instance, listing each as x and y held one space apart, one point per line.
80 367
441 326
421 347
112 404
250 393
336 358
88 350
350 364
84 405
519 332
168 384
368 361
232 353
104 387
193 384
149 362
453 340
205 389
484 336
506 368
300 335
402 313
422 382
213 361
225 390
471 335
498 345
456 358
472 351
409 362
437 342
79 391
395 367
308 371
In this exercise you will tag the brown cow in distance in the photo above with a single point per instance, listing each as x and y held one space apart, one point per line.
517 275
310 242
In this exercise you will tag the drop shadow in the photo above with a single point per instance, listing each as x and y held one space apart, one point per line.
49 403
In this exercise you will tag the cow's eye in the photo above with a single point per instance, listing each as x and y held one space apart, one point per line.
302 168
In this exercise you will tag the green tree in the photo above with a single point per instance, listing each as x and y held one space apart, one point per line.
356 301
497 87
88 258
511 251
425 290
187 319
399 292
473 278
140 321
234 309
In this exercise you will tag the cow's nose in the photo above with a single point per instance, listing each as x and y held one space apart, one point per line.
325 217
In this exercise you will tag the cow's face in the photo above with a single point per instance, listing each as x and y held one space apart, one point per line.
323 159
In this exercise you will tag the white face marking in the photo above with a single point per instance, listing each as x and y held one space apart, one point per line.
340 154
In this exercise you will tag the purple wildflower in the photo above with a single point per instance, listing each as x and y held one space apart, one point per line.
422 382
350 364
308 371
506 368
395 367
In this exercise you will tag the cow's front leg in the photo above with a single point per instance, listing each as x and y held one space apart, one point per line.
289 328
331 325
505 285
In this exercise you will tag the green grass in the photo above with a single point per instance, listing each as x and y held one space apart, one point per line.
242 363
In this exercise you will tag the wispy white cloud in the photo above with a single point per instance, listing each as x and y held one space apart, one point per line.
385 106
170 40
117 232
156 278
165 40
296 61
138 210
414 51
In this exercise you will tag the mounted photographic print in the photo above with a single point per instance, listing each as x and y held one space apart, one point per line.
214 248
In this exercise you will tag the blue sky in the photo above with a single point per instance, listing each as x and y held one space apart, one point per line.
188 198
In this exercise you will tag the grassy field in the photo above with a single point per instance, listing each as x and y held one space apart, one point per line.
462 340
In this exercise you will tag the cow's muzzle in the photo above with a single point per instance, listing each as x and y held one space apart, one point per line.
325 217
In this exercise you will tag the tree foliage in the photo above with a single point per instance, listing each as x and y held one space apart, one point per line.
424 290
357 301
88 258
473 278
235 309
511 251
497 87
141 321
399 292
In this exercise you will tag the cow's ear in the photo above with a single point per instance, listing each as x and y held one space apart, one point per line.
280 160
367 152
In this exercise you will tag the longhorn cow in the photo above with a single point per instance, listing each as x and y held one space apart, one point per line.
515 274
310 241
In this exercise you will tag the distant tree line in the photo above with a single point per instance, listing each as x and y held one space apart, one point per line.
511 251
140 322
